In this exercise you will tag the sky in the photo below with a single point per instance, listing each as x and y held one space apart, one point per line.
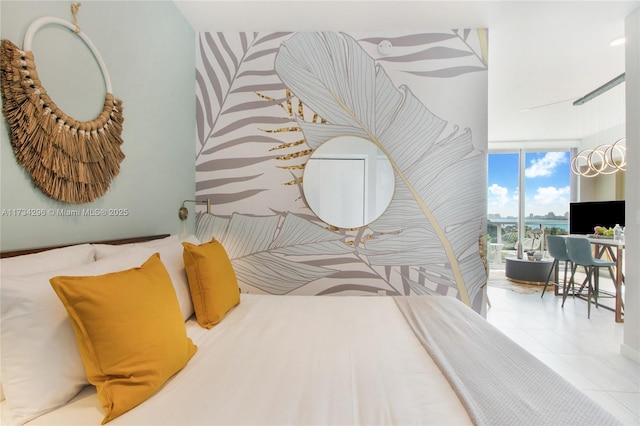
546 183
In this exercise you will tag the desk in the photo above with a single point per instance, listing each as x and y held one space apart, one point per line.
527 271
615 249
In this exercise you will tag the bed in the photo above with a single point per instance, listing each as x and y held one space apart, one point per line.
258 360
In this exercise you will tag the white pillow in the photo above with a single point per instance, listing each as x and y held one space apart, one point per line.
41 365
50 260
170 250
104 250
173 260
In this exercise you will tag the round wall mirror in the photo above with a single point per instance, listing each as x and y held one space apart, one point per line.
348 182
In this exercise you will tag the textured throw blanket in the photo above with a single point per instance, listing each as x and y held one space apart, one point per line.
486 369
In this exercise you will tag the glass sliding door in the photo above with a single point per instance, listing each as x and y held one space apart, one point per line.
547 195
502 200
528 198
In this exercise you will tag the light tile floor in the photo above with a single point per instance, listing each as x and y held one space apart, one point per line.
584 351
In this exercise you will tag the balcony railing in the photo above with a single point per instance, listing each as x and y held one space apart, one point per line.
506 239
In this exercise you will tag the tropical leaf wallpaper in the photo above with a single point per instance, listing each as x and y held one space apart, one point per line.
266 101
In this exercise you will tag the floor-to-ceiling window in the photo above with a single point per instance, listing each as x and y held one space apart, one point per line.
528 198
547 195
502 201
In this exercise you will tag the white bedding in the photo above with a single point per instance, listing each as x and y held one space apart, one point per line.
297 360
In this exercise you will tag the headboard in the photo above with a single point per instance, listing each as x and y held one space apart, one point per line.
14 253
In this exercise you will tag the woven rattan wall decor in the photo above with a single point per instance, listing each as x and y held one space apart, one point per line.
69 160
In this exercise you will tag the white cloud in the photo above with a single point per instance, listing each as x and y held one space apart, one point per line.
548 199
546 165
550 195
499 201
498 193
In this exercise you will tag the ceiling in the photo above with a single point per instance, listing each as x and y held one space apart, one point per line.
540 52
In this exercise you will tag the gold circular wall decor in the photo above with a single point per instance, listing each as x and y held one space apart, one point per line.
69 160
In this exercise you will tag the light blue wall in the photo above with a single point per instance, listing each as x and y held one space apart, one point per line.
149 50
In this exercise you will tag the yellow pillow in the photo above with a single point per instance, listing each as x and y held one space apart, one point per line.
212 281
129 331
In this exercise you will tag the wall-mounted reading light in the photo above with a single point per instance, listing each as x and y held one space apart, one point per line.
183 212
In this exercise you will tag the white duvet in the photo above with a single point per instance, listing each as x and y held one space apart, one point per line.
295 360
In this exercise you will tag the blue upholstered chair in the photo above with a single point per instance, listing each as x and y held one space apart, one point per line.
557 249
580 254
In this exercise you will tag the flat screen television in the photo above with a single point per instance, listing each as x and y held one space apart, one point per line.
584 216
